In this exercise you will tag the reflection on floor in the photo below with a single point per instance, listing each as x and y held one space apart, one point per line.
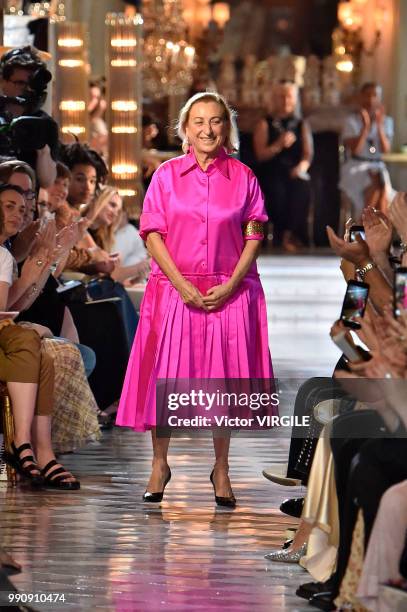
104 550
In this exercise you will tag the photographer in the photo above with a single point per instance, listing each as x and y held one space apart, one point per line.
26 132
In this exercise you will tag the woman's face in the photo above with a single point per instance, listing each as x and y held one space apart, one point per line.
24 181
83 184
58 193
285 99
109 214
206 128
13 208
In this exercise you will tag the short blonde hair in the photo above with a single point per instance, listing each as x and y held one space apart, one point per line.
232 137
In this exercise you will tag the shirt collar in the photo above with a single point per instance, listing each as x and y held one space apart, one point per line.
221 162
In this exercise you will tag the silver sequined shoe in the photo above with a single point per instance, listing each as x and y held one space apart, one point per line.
287 556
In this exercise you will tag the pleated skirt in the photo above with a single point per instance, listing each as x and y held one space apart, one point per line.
177 341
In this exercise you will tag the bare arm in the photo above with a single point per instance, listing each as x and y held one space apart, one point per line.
217 296
380 292
34 275
45 167
358 254
4 289
385 144
159 252
384 141
356 144
308 144
138 270
31 292
262 150
248 256
307 152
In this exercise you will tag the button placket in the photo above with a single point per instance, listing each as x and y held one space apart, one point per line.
204 241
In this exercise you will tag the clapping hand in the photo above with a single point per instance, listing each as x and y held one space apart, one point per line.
396 328
380 114
366 120
69 236
36 264
300 169
46 238
398 214
356 252
286 140
25 240
378 231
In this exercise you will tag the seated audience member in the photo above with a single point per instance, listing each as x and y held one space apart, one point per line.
386 544
367 134
28 372
358 465
119 315
283 147
105 214
54 198
88 173
75 415
40 301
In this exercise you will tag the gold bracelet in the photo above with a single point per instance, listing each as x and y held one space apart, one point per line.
252 228
361 272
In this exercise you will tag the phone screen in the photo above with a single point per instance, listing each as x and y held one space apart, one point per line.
400 290
356 229
354 303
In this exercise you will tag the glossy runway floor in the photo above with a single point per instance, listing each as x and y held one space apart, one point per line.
104 550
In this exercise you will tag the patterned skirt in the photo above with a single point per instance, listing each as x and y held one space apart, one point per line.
74 421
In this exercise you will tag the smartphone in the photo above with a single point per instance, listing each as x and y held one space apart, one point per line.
71 284
353 353
354 303
356 229
400 291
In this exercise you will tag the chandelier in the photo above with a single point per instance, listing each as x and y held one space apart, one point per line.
168 58
348 40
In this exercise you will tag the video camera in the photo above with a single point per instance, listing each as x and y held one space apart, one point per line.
27 132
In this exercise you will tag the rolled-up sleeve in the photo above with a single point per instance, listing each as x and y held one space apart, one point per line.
254 215
154 218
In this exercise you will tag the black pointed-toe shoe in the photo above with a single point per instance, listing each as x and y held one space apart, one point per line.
155 498
293 507
227 502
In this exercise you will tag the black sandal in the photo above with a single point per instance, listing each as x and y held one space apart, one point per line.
56 479
19 464
105 420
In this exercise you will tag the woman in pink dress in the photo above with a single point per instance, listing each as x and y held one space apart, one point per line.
203 315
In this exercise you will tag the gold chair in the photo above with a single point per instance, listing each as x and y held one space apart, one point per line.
8 429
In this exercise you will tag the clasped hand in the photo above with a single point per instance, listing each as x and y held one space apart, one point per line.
215 296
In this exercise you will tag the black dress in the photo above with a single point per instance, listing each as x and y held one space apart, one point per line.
287 198
48 308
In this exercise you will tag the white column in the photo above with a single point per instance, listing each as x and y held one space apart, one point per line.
93 13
